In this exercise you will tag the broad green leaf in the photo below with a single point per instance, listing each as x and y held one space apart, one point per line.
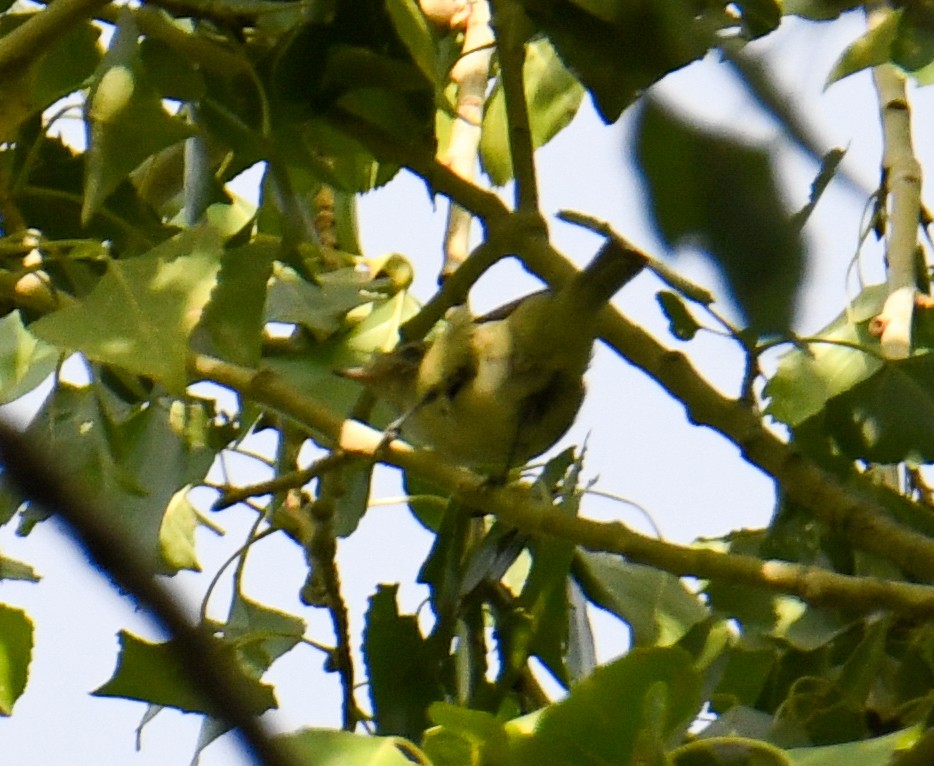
399 667
553 95
141 314
319 309
133 460
177 533
151 672
808 377
126 120
326 747
655 604
412 27
16 640
625 709
618 49
681 323
11 569
874 47
24 361
232 324
720 194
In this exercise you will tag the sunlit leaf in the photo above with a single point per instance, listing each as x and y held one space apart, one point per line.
553 95
16 642
11 569
24 361
874 47
326 747
126 120
590 726
142 312
808 377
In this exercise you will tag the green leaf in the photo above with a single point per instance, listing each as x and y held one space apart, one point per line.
16 641
720 194
874 47
262 634
889 416
320 310
760 16
681 323
140 315
11 569
462 736
617 49
24 361
412 27
326 747
354 500
913 47
151 672
553 96
655 604
878 751
51 74
127 121
828 168
623 711
133 460
231 326
177 533
171 76
399 667
808 376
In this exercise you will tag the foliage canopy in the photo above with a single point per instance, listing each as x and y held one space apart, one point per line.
806 642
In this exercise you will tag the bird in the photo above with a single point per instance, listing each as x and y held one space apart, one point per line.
492 392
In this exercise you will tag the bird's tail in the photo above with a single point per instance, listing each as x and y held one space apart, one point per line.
613 266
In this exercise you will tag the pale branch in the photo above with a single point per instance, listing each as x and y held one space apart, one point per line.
516 505
902 182
115 553
23 45
509 22
470 74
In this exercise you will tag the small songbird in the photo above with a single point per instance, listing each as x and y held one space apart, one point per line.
492 392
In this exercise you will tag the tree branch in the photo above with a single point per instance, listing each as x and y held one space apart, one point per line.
508 22
515 505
